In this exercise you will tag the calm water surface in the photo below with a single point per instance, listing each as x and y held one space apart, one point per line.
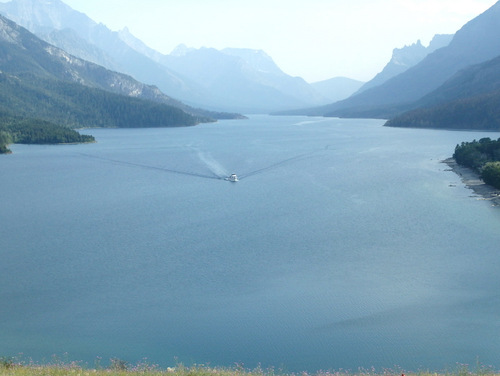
345 244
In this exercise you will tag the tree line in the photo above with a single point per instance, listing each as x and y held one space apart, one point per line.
34 110
34 131
78 106
483 156
477 112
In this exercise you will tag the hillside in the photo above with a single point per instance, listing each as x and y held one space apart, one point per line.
78 106
22 130
43 88
404 58
26 57
468 100
85 41
226 80
469 82
36 110
481 112
51 20
474 43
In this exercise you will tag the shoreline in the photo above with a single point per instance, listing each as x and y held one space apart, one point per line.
472 181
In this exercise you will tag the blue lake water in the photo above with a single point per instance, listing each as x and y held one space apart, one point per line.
344 245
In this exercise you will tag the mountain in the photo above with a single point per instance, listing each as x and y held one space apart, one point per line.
468 100
238 84
77 106
405 58
475 42
38 80
68 40
469 82
337 88
244 79
479 112
138 45
44 59
57 23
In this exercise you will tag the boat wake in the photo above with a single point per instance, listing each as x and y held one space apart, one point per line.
279 164
149 167
214 166
218 172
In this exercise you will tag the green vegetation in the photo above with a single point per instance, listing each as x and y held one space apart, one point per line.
483 156
478 112
33 131
35 110
78 106
490 173
5 139
117 367
45 94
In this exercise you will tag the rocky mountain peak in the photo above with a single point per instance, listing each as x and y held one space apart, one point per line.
8 32
257 59
409 55
406 57
439 41
181 50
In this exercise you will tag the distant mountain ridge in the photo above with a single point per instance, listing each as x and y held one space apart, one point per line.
51 19
39 80
338 88
42 16
476 42
246 80
405 58
246 87
468 100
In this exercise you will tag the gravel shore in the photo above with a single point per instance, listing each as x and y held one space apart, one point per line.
472 180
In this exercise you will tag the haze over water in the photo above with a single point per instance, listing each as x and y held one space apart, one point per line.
345 244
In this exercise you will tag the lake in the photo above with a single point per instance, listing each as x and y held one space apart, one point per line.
345 244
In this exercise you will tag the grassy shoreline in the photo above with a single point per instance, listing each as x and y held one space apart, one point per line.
9 367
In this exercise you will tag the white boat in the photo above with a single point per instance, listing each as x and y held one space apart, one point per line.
232 178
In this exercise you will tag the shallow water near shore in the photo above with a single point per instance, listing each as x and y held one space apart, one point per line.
345 244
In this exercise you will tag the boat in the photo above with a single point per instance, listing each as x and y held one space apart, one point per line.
233 178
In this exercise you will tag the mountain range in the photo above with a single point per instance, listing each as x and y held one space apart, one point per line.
468 100
39 80
234 80
454 73
74 32
402 59
405 58
442 77
243 79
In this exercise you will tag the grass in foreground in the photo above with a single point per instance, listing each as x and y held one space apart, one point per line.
117 367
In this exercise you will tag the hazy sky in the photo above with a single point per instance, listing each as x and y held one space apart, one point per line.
314 39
